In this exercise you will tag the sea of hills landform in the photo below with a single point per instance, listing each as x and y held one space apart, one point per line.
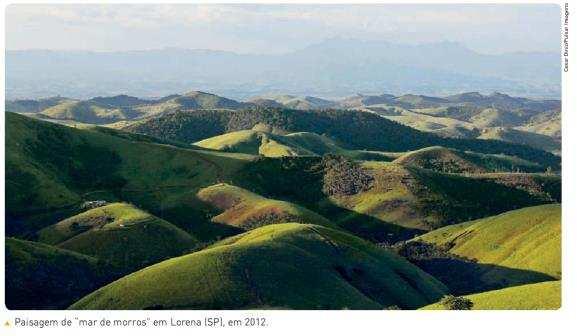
283 202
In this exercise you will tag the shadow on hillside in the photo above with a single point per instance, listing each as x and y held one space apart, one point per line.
25 224
299 180
367 227
466 277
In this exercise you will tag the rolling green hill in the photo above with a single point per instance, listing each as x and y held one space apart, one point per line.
254 142
471 115
425 200
397 201
40 276
459 116
210 203
33 105
420 101
546 123
293 102
107 110
492 117
265 102
120 234
517 247
247 210
539 296
120 101
462 122
277 266
360 100
546 187
88 112
452 161
535 140
188 101
436 124
268 144
51 169
351 129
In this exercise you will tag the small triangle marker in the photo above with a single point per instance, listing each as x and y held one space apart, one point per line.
7 324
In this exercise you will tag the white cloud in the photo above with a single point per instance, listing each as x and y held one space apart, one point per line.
278 23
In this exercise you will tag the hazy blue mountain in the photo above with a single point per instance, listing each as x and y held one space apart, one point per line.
333 68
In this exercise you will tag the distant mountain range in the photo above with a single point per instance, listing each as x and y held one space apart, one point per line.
333 68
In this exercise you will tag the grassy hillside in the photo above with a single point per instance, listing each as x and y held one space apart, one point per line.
254 142
452 161
546 123
257 142
189 100
397 201
33 105
492 117
468 123
360 100
265 102
120 234
420 101
40 276
439 125
293 102
539 296
513 248
352 129
425 200
470 115
247 210
51 169
546 187
277 266
88 112
535 140
120 101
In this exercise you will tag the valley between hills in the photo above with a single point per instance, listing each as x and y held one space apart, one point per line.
283 202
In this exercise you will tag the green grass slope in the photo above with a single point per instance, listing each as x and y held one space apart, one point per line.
188 101
277 266
88 112
294 102
447 160
351 129
492 117
420 101
439 125
425 200
120 101
254 142
397 203
120 234
535 140
33 105
258 142
51 169
546 123
40 276
526 240
544 186
539 296
247 210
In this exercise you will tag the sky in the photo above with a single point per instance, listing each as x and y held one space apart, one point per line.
266 29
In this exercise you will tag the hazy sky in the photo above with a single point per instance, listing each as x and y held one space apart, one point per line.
279 28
